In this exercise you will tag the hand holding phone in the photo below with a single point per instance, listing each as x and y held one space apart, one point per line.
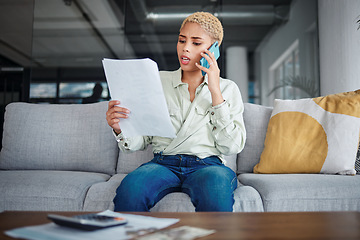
213 49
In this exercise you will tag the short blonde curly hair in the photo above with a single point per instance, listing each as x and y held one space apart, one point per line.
208 22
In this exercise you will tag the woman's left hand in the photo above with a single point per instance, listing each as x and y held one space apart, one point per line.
213 73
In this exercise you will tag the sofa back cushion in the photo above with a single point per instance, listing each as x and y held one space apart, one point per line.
128 162
256 119
58 137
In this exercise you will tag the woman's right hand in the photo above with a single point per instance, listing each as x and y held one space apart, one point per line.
114 114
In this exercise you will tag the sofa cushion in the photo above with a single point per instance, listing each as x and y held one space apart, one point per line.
256 119
174 202
58 137
100 195
231 161
38 190
305 192
247 199
128 162
319 135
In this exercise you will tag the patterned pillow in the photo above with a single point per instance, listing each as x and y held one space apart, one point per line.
319 135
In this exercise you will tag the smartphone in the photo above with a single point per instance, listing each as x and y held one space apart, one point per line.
87 222
214 49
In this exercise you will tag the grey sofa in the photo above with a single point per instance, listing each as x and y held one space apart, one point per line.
65 158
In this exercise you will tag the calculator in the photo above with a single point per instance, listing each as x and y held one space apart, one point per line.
88 222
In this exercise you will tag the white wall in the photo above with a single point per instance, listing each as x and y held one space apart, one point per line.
302 19
339 44
237 69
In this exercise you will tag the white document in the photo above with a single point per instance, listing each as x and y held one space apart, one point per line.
180 233
137 85
137 225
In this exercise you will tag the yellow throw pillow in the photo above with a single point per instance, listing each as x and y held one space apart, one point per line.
319 135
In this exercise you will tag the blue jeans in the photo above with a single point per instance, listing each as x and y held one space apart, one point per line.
208 182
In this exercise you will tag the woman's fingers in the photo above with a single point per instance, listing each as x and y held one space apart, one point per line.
115 113
114 108
210 57
113 103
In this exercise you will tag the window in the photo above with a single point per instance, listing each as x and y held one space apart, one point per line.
42 90
284 74
66 92
76 92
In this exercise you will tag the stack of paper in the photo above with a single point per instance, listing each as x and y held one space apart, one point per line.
137 85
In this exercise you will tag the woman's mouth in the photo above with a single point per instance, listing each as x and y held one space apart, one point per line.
184 60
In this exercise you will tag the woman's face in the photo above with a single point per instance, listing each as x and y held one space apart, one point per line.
192 41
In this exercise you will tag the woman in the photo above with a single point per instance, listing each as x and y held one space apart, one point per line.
206 112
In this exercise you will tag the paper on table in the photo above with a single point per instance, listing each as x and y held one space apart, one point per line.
136 84
136 224
183 232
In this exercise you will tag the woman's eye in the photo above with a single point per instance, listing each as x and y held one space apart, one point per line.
181 41
197 44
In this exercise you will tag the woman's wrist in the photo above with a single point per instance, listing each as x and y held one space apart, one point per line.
217 98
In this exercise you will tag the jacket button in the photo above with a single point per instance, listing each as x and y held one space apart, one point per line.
212 113
214 128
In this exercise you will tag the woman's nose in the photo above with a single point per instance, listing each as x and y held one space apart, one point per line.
186 48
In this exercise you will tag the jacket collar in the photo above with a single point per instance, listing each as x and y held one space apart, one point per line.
176 78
